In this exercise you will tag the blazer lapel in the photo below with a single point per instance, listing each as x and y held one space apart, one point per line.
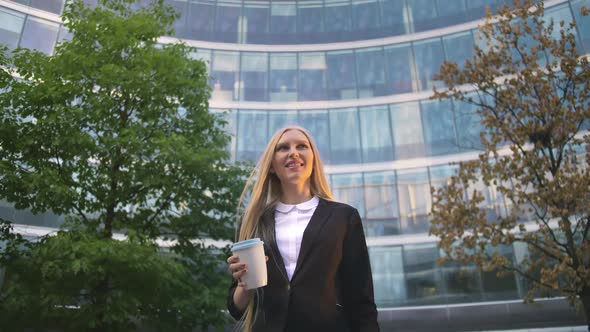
317 221
269 219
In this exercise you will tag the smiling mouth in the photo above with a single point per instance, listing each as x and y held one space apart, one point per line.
294 164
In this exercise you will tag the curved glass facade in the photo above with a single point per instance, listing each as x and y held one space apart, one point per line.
319 21
358 75
365 134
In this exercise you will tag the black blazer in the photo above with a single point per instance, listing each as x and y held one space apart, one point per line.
331 288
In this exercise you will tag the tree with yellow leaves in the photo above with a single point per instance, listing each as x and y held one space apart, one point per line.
530 82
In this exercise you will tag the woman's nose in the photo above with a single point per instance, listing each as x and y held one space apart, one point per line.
293 152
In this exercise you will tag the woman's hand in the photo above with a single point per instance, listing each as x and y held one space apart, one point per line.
241 296
237 269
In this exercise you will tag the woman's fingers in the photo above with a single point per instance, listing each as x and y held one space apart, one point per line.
239 273
233 259
237 269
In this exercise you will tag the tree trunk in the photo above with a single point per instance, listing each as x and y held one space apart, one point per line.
585 297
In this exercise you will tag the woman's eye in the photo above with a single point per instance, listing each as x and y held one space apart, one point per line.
302 146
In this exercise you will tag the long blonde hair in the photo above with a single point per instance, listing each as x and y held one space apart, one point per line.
264 191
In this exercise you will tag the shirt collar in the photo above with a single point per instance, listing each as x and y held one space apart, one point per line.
307 205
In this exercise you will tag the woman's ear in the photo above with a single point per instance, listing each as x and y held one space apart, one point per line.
271 170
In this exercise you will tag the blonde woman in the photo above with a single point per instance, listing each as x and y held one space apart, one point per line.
319 277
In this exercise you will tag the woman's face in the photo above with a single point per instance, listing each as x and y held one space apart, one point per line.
293 159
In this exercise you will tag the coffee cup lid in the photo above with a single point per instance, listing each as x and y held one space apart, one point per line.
245 244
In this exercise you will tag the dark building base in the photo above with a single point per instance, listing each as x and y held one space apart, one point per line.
481 316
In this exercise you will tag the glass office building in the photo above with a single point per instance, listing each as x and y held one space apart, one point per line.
358 75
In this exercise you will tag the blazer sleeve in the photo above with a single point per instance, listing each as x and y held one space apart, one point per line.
231 306
357 280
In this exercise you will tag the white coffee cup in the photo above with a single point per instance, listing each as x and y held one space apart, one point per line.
251 252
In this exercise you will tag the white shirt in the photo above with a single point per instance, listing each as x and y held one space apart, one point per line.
290 223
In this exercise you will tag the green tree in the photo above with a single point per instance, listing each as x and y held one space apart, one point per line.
113 131
530 86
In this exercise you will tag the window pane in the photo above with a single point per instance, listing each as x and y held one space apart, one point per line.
39 34
254 77
557 14
280 119
462 283
493 200
316 123
440 175
200 19
348 188
494 287
459 47
388 275
312 76
414 200
180 25
365 15
310 21
338 16
64 34
423 14
450 12
11 24
439 127
283 21
371 80
225 74
344 136
26 217
476 9
252 135
469 122
376 134
226 22
429 57
257 15
583 23
341 75
424 284
204 55
381 203
400 73
283 77
407 130
394 18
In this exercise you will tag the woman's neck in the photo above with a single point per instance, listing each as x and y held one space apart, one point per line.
295 195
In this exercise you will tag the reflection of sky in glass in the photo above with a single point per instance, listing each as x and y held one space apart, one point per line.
380 195
252 135
39 34
375 134
407 130
348 188
414 199
439 127
11 24
345 136
316 123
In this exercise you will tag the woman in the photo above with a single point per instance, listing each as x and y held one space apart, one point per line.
319 277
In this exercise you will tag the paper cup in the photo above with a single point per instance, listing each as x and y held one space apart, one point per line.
251 252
